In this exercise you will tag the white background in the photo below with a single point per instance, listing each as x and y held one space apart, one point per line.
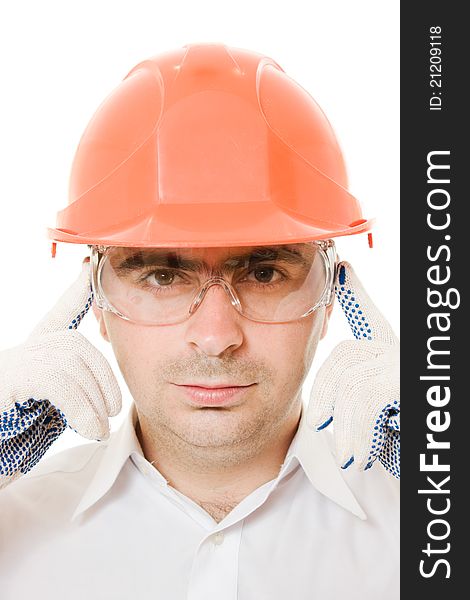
59 60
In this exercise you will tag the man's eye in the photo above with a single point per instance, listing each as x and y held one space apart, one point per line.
264 274
161 278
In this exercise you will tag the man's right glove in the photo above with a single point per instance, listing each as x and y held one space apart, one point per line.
55 379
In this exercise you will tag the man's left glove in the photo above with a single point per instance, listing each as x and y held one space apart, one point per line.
358 386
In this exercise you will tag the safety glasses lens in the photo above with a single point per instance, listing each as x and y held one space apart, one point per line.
159 285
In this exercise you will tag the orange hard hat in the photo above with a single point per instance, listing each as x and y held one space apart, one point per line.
204 146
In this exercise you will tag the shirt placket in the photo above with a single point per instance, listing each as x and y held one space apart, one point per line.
214 574
215 568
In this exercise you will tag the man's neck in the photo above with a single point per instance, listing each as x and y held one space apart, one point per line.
207 478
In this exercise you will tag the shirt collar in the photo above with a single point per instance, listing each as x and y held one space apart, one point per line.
312 450
122 444
308 446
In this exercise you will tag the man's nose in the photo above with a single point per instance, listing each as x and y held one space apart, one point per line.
215 327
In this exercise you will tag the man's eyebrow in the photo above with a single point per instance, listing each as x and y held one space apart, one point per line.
163 258
288 254
169 258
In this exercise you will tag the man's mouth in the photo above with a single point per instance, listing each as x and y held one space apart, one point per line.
214 395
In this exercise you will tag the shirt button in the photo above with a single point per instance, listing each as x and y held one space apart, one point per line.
218 538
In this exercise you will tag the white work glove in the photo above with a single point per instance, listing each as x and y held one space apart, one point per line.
358 386
55 379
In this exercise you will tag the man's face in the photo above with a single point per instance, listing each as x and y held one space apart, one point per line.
216 345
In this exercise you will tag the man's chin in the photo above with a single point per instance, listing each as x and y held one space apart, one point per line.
217 427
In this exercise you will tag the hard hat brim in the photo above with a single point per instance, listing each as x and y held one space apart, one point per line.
241 224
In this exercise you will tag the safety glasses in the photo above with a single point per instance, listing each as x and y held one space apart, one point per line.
165 286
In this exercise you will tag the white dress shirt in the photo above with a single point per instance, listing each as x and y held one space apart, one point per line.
98 521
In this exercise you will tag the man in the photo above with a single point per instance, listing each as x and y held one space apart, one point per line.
209 187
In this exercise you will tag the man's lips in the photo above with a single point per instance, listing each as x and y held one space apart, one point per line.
213 386
210 395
